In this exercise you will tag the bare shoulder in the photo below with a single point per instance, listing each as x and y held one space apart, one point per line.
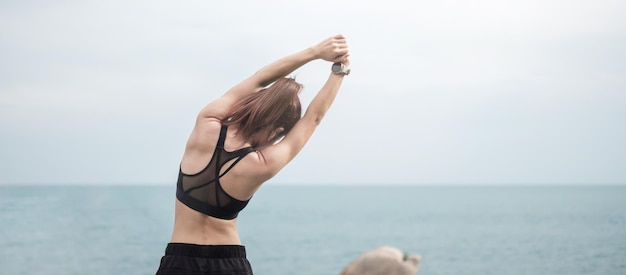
200 145
205 132
277 156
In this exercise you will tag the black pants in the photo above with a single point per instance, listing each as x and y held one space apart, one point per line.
194 259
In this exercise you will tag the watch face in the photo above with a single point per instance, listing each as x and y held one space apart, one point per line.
336 67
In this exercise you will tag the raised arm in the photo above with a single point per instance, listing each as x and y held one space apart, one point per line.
277 156
329 49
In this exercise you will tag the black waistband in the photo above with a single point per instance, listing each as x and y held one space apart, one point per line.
206 251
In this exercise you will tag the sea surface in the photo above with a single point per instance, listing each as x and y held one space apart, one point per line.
317 230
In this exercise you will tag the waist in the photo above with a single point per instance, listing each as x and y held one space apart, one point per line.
205 251
194 227
206 239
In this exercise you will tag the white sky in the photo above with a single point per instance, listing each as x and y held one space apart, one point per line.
460 92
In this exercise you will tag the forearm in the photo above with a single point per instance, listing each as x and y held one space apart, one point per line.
323 100
284 66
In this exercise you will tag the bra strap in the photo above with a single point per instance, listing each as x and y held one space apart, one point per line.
222 138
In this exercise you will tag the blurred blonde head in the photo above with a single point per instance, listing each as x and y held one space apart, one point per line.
384 261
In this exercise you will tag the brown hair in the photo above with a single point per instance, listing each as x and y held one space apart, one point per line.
260 116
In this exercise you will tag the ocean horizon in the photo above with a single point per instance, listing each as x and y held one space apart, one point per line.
319 229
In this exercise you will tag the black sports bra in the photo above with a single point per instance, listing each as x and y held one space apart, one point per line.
203 192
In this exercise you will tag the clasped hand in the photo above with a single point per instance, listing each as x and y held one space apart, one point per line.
333 49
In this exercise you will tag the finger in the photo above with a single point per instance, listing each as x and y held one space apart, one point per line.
340 52
340 46
338 38
339 41
341 58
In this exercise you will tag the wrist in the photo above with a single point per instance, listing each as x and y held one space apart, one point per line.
313 53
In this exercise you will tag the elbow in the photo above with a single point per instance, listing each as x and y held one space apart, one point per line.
315 118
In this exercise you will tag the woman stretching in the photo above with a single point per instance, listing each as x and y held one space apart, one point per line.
239 141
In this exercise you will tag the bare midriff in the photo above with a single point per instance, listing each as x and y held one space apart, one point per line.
191 226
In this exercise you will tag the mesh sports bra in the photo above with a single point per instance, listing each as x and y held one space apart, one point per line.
203 192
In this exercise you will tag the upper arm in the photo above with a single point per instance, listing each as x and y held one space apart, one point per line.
279 155
220 107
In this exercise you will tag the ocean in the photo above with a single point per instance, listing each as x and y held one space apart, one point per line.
318 230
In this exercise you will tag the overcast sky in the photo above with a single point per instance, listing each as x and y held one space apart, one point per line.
452 91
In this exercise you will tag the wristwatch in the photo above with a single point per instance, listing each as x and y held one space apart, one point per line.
340 68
